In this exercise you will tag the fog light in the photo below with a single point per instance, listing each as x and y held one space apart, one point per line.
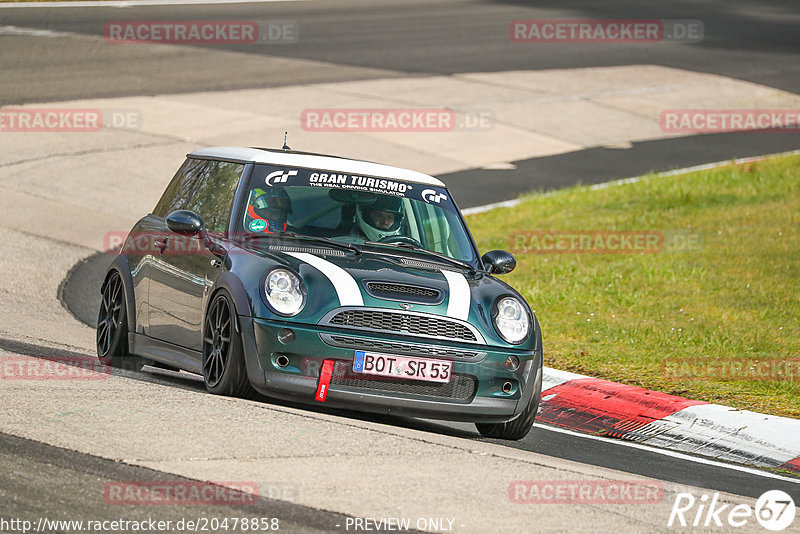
285 335
512 363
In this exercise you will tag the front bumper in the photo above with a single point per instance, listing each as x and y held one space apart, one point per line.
475 393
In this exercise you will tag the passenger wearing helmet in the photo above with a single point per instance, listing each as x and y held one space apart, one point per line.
268 210
381 218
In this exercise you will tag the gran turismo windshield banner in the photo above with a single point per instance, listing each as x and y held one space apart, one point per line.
273 176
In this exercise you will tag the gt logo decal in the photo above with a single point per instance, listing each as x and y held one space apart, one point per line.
429 196
278 177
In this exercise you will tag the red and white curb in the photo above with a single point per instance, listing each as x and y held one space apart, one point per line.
603 408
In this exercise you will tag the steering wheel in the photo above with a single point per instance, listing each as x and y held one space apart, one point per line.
400 239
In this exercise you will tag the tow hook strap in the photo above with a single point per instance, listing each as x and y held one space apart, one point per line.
324 380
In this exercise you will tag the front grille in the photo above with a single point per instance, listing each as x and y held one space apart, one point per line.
392 291
403 323
400 289
460 387
401 348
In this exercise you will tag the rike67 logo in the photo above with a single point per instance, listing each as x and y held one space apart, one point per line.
774 510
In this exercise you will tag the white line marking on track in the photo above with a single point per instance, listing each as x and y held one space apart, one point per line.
686 170
36 32
513 202
490 207
725 433
673 454
553 377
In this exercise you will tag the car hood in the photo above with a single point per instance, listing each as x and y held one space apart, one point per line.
398 281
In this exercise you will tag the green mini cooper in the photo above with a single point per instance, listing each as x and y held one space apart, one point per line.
320 279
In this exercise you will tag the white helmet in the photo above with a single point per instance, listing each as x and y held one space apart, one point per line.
381 218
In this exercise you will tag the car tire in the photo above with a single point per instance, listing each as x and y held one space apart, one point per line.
224 368
112 326
518 427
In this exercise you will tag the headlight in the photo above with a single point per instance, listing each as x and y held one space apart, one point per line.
283 292
511 320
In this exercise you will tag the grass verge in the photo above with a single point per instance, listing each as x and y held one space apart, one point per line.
704 302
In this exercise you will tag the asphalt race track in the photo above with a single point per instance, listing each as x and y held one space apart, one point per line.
544 440
355 40
743 40
36 495
59 54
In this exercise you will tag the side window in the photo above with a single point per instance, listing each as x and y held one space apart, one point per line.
180 188
436 235
213 197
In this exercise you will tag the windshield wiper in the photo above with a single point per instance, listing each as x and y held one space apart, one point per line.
323 240
438 255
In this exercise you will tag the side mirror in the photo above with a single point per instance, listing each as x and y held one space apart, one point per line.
189 223
499 262
185 222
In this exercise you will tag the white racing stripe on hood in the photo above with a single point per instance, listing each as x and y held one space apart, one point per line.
459 295
345 285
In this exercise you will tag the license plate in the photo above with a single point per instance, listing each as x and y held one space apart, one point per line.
390 365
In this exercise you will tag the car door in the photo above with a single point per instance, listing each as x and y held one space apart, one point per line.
151 232
182 275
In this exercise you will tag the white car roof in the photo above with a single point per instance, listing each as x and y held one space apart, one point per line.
314 161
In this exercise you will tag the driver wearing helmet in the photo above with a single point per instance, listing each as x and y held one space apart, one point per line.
268 210
381 218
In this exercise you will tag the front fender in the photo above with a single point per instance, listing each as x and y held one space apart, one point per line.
244 323
120 264
233 285
534 372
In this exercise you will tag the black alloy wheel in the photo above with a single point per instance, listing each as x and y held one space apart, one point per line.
224 369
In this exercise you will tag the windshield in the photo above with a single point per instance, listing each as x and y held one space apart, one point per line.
354 209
